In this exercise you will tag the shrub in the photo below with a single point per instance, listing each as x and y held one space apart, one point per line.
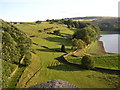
78 43
87 62
57 32
38 22
63 48
27 58
39 30
28 55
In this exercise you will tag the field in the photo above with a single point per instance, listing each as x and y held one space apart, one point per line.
104 61
109 32
45 65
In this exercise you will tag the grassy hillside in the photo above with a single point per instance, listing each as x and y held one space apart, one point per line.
45 65
103 61
8 68
15 44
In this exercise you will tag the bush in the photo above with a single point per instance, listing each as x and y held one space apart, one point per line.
80 44
63 48
57 32
28 55
27 58
87 62
38 22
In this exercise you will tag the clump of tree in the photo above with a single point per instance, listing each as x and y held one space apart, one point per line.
27 59
38 22
78 43
87 34
75 24
10 52
87 62
54 21
111 24
15 43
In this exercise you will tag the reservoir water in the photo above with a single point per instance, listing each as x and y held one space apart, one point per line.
110 43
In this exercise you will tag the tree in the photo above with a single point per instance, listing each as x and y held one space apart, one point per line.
63 48
87 34
87 62
15 43
96 28
47 20
81 25
78 43
38 22
68 26
27 58
76 24
10 52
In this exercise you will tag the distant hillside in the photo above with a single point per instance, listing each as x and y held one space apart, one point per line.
105 23
108 24
91 17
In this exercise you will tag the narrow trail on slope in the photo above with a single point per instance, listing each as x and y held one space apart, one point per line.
12 74
77 52
32 76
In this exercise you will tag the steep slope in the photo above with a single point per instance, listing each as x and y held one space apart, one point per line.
15 44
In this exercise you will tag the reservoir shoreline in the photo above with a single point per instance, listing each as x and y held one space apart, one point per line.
109 43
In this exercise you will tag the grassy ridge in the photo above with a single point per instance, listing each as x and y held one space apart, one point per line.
45 65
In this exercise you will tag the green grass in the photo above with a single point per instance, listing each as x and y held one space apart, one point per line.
15 79
32 29
109 32
96 48
72 59
104 61
107 61
45 66
93 47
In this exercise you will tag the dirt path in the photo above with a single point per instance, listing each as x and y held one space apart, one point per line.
77 52
22 59
12 74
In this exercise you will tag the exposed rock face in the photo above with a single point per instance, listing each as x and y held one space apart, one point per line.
55 83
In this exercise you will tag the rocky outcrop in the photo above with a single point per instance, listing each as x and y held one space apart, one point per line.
55 83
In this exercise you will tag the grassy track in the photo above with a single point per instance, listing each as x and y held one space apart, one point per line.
45 66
